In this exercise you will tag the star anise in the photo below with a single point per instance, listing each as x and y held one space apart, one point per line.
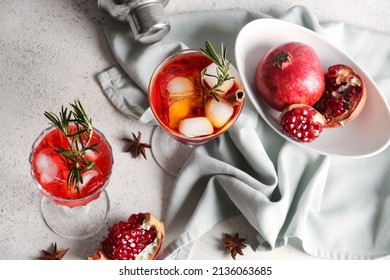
234 245
55 255
137 148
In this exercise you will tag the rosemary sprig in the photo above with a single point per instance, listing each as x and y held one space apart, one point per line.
78 141
223 67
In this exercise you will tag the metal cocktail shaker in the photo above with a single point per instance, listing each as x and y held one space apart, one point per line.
147 18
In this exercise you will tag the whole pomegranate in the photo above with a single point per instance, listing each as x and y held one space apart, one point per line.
138 238
290 73
344 97
301 122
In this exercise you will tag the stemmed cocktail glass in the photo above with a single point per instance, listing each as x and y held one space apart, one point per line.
195 95
71 163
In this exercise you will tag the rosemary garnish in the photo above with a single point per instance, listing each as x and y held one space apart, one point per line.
223 67
78 141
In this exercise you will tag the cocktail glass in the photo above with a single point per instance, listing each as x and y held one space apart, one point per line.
180 99
70 213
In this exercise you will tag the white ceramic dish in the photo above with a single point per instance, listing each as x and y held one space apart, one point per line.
365 136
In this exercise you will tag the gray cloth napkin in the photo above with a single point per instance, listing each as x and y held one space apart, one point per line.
338 207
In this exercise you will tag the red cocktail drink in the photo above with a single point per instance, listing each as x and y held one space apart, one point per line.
51 172
180 99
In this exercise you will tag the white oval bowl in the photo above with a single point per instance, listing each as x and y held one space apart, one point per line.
365 136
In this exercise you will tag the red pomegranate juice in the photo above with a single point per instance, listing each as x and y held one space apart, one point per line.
51 173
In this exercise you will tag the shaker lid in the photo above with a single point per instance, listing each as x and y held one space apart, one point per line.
149 22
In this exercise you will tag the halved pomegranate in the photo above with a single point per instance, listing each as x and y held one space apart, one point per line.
344 97
138 238
301 122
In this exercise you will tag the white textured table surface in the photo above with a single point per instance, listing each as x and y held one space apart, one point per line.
50 53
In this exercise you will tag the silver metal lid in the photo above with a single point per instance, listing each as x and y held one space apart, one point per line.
149 22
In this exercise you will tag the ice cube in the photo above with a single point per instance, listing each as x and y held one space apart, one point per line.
218 112
211 81
46 166
88 176
194 127
178 110
92 155
180 86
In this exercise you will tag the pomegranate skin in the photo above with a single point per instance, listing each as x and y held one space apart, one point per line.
298 79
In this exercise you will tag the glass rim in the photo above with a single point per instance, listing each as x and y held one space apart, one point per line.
67 200
165 126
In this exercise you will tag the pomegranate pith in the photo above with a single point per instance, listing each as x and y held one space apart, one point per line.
301 122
